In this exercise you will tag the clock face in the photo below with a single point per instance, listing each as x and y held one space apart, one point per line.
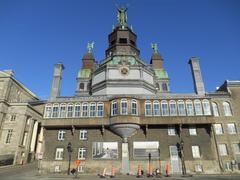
124 70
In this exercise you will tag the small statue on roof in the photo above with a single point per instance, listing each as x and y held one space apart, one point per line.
90 46
154 47
122 16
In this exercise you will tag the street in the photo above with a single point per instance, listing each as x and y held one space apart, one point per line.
29 172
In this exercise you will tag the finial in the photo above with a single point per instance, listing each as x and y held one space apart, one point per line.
154 47
122 16
131 27
90 46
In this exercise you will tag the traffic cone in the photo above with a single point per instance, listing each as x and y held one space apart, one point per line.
103 175
113 172
150 171
167 170
139 171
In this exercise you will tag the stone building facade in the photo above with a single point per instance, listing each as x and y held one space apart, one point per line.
19 121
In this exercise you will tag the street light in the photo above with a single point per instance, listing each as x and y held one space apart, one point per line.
70 150
182 158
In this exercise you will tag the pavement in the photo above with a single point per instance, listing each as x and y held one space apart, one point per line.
29 172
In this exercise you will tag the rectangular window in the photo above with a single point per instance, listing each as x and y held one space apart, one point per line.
156 109
148 109
83 135
218 129
61 135
195 151
223 149
173 109
236 148
100 110
198 108
70 111
134 108
13 117
124 107
105 150
171 130
48 112
164 107
192 130
80 169
9 136
82 152
85 110
231 128
55 111
181 109
62 111
114 108
59 154
57 168
190 111
92 110
141 149
198 168
77 110
24 139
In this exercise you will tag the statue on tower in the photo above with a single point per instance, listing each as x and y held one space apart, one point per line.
154 47
122 16
90 46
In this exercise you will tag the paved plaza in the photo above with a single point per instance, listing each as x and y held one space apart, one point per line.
29 172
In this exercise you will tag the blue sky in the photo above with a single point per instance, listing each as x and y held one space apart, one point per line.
36 34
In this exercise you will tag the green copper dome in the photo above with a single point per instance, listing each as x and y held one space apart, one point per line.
161 73
84 73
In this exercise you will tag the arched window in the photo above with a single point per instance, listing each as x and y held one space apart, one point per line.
164 107
164 87
215 109
92 109
173 108
124 106
55 112
181 108
134 107
70 110
156 108
48 111
227 109
206 107
62 110
81 86
85 109
114 108
77 110
198 107
189 107
100 108
148 108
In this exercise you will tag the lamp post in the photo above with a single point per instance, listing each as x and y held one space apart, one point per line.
70 150
182 158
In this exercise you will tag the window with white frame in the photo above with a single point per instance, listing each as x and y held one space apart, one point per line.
156 108
80 169
196 151
85 110
134 108
124 107
227 109
215 109
62 110
192 130
13 117
173 108
171 130
164 107
222 149
198 107
48 111
100 107
55 110
59 154
57 168
82 152
114 108
198 168
148 108
181 108
189 107
77 111
231 128
206 107
218 129
92 109
61 135
83 134
70 110
236 148
9 136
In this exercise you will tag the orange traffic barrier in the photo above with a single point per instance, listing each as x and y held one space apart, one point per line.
103 175
139 171
150 171
113 174
167 170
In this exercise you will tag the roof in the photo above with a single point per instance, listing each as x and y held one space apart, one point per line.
161 73
88 55
84 73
